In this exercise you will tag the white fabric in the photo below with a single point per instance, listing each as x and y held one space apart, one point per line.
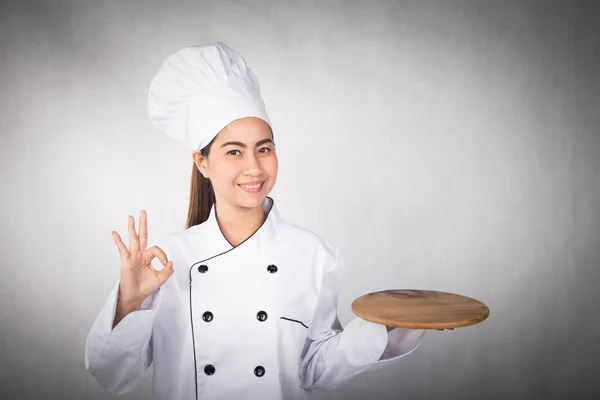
301 345
199 90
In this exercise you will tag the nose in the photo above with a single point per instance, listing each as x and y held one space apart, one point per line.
252 164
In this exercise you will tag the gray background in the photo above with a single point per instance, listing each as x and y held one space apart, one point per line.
443 145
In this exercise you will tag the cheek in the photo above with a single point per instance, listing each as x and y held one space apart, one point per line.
271 166
223 174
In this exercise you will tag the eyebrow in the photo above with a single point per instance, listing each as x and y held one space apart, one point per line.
243 145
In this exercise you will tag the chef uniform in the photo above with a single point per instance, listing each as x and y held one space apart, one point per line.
252 321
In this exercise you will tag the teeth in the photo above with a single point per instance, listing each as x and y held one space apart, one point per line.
251 186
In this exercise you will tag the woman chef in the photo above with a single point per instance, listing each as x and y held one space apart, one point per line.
250 310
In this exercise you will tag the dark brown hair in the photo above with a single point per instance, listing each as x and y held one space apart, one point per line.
202 194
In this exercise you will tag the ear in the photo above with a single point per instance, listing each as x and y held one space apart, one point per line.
200 162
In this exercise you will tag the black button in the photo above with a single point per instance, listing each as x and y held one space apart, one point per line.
209 369
259 371
207 316
261 316
202 269
272 268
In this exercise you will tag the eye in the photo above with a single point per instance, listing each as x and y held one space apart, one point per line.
264 148
230 152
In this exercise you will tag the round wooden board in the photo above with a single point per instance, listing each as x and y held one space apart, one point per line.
420 309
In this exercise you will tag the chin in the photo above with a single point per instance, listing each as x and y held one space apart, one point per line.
248 203
250 200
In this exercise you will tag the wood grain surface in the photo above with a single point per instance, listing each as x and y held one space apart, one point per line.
420 309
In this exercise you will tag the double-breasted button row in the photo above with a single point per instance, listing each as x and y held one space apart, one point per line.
262 316
210 369
204 268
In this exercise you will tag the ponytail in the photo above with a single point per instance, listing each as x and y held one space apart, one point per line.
202 195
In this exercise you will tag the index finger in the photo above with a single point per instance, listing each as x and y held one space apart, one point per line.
156 251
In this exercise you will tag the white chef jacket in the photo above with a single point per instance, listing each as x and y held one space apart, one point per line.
252 321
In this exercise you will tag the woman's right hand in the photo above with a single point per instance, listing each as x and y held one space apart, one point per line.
139 279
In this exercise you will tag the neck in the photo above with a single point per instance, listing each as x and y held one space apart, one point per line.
237 223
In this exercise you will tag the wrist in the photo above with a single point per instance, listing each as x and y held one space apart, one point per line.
129 306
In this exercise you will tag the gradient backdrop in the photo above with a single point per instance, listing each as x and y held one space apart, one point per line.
443 145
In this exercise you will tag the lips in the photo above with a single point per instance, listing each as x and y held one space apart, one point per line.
250 183
253 187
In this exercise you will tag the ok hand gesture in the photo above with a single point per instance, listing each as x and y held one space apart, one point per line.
139 279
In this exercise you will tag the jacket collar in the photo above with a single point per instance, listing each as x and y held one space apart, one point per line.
257 241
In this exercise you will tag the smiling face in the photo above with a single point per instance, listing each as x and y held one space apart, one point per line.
242 163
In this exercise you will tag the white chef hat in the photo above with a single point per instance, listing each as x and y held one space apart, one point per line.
199 90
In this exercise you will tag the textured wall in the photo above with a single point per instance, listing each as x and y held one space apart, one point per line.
445 145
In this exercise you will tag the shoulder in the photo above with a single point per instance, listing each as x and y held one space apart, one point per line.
289 232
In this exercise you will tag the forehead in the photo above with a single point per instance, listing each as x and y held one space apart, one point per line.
245 130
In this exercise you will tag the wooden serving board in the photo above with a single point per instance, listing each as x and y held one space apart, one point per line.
420 309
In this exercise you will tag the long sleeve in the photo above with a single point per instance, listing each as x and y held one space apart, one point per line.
333 355
400 342
118 358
